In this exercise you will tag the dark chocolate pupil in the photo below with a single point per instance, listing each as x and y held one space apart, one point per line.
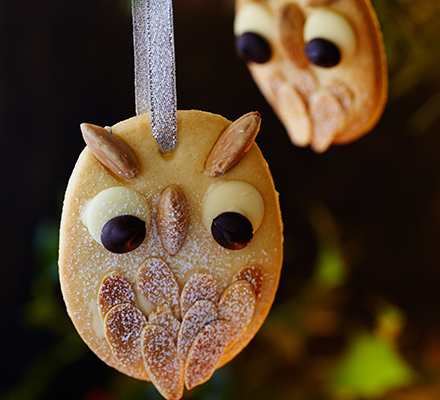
323 53
232 230
123 233
253 47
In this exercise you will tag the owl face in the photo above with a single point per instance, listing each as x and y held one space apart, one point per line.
169 263
319 63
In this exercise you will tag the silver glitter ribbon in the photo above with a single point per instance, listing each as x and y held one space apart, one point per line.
155 68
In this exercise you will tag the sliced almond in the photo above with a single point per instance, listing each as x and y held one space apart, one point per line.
291 20
201 313
205 353
342 92
233 144
254 276
123 325
111 151
158 284
115 289
198 287
328 119
163 316
162 362
237 306
172 219
294 114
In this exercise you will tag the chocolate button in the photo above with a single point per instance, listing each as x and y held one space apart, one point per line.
123 234
253 47
323 53
232 230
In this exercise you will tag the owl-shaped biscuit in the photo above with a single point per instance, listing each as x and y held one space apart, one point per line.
169 263
320 64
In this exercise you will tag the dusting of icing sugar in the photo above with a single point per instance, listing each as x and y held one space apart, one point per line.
205 353
254 276
145 305
162 362
198 287
123 325
163 317
199 254
115 290
157 283
172 218
200 314
237 306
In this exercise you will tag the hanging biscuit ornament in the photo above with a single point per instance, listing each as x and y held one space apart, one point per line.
171 235
320 64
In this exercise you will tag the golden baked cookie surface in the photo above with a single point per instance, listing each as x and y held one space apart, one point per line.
157 311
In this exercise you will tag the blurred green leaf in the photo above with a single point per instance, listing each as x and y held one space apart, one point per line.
330 268
45 310
371 367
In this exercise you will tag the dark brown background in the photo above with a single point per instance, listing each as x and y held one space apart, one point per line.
64 62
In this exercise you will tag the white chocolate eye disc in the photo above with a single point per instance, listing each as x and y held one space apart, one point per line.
111 203
235 196
332 26
255 18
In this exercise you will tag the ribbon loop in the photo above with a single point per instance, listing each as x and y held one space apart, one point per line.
155 68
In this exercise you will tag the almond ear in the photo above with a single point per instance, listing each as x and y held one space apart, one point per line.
233 144
111 151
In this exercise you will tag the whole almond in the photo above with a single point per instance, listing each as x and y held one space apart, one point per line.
172 219
111 151
233 144
290 20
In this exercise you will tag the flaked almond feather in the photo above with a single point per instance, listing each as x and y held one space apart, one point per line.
111 151
158 284
123 325
163 316
233 144
203 312
115 289
172 219
254 276
162 362
205 353
237 306
198 287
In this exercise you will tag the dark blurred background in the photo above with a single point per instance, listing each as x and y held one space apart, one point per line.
357 314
